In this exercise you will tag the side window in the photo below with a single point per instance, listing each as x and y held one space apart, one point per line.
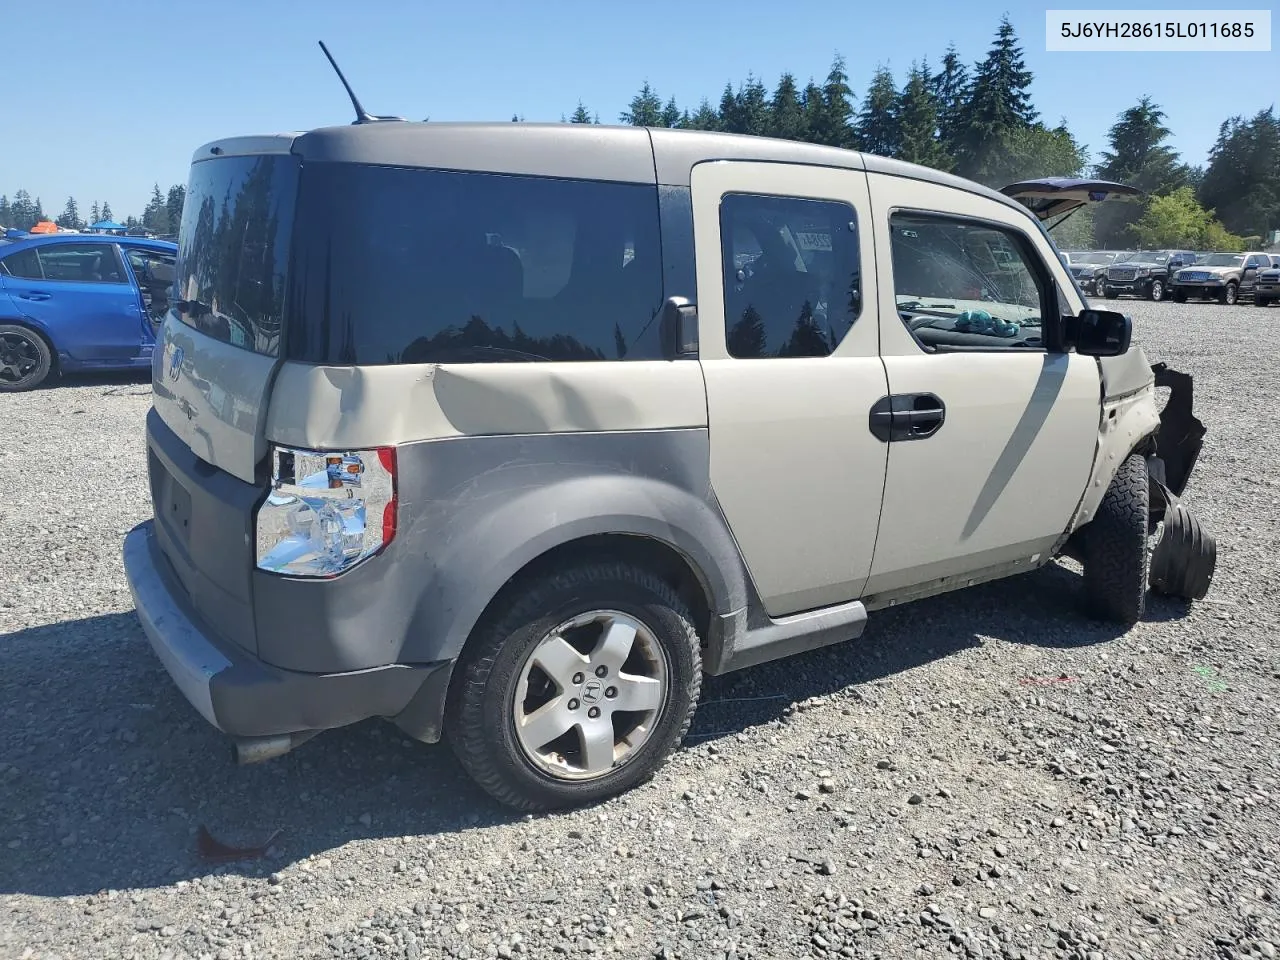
81 262
965 284
154 271
24 264
792 286
1254 261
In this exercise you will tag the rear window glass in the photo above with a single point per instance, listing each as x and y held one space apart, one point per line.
234 249
398 265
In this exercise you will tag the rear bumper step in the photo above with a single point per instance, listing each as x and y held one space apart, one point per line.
234 690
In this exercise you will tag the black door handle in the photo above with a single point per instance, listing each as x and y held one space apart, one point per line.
906 416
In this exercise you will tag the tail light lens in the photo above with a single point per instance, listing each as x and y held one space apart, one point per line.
326 511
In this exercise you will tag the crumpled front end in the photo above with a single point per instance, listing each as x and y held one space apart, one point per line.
1185 554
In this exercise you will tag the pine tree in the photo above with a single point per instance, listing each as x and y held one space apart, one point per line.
815 111
580 115
670 114
999 102
1139 157
752 107
39 212
106 210
729 118
6 212
950 88
70 217
787 118
917 115
833 127
95 214
704 118
155 216
174 202
1242 181
877 126
645 109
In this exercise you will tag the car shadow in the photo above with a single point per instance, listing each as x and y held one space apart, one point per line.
100 378
107 773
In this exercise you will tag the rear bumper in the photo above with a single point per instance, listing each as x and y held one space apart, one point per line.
238 693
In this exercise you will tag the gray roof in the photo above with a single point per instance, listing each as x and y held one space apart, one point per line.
570 150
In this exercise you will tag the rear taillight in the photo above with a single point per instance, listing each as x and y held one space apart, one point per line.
326 511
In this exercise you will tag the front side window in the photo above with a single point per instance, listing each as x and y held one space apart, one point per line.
791 275
397 265
964 284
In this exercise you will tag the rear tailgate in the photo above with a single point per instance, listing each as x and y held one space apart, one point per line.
216 356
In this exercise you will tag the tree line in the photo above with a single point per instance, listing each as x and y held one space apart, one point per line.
979 122
161 215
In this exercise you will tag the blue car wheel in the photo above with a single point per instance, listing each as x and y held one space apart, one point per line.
25 360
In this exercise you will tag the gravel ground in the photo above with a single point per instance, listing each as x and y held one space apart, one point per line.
986 774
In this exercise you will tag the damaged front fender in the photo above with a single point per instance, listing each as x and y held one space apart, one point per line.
1185 555
1181 434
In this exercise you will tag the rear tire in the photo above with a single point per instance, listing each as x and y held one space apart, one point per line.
25 358
510 675
1114 549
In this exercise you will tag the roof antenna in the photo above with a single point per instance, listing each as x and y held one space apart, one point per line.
362 115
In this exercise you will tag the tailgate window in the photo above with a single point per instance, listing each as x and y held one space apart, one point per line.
234 248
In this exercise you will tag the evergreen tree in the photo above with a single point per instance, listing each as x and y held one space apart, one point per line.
950 88
174 202
787 118
580 115
917 115
752 108
670 114
70 217
645 109
999 102
39 213
815 111
95 214
727 114
1139 157
1242 181
155 216
877 126
833 127
106 210
6 212
704 118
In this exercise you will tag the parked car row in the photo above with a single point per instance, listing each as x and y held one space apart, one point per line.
1179 275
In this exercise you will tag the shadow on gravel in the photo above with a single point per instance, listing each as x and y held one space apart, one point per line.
106 773
104 379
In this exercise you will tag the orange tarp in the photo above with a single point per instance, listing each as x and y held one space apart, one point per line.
44 226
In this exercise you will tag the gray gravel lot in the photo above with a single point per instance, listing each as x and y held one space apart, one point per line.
933 789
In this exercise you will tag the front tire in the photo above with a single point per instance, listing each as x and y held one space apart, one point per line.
25 359
577 689
1156 291
1109 293
1114 549
1230 293
1178 296
1261 301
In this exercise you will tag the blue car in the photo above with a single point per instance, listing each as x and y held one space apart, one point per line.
80 302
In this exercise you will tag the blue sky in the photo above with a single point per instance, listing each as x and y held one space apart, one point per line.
190 73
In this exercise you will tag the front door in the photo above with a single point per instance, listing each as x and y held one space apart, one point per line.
988 470
789 350
82 295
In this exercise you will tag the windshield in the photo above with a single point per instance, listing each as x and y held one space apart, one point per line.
1090 258
234 247
1221 260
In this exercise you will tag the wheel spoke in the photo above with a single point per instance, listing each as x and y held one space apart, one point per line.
557 658
597 746
637 693
615 646
549 721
